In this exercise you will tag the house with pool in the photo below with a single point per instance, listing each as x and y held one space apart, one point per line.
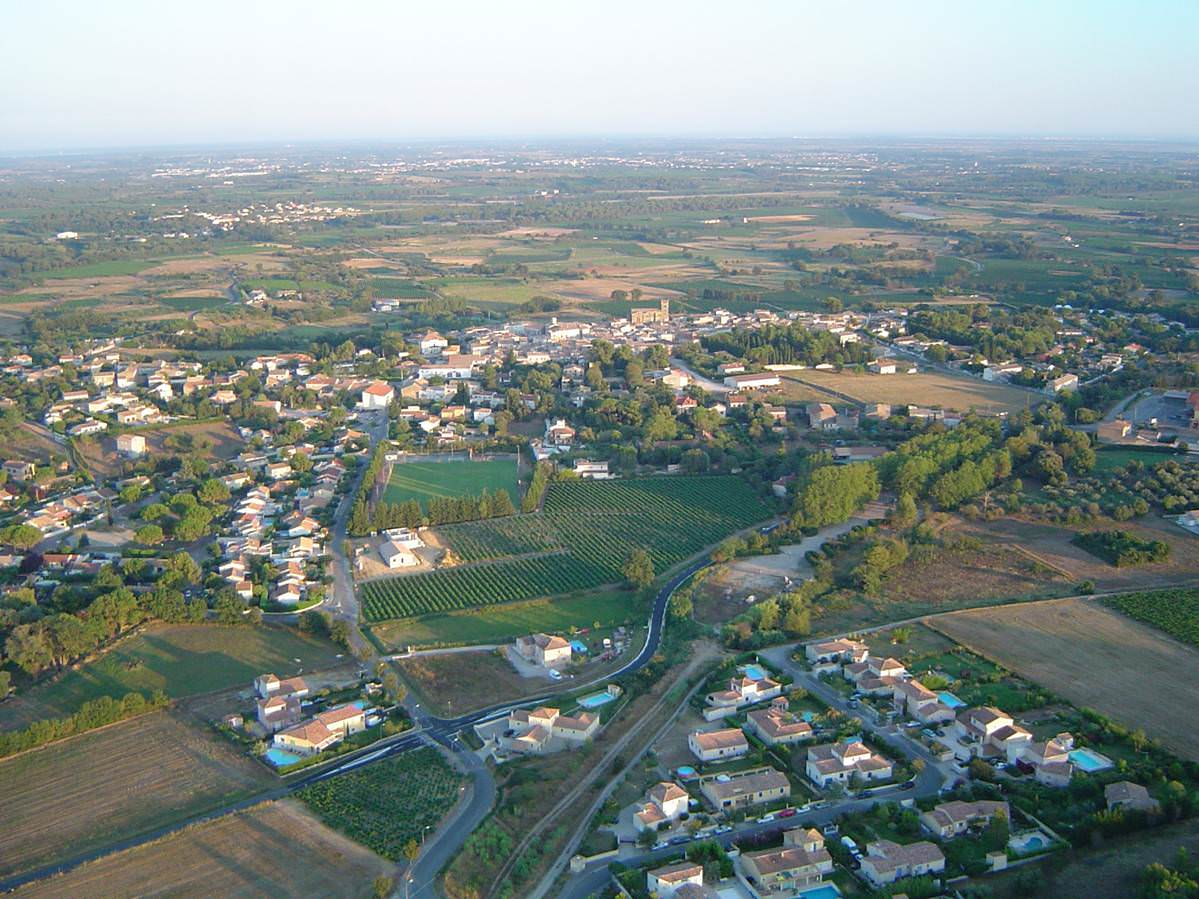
752 686
778 725
829 655
952 819
988 733
886 861
802 861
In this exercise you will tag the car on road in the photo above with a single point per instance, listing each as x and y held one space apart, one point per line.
725 828
555 675
788 813
766 819
679 840
661 844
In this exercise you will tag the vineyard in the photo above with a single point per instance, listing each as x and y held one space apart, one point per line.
383 806
580 541
1174 611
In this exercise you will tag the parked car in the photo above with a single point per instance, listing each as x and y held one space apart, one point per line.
679 840
787 813
661 844
766 819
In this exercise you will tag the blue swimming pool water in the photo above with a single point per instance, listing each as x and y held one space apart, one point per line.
823 891
1030 843
280 758
757 672
808 716
596 699
950 700
360 703
578 646
1089 760
685 771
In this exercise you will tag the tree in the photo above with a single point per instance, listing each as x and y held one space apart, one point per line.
213 490
21 537
680 604
394 689
833 493
149 535
638 570
180 569
905 511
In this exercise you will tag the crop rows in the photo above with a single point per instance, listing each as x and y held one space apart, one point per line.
482 585
1174 611
593 525
476 541
384 806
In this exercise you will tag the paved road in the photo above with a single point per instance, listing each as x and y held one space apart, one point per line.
927 783
706 383
443 730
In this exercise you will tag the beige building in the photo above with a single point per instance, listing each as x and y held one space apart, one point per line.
534 732
951 819
544 649
886 862
745 788
801 862
840 762
666 882
664 803
718 744
777 725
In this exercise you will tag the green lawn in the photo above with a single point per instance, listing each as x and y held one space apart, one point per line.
102 269
181 660
1109 459
193 303
424 480
500 623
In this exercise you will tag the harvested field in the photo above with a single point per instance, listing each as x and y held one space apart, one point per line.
115 783
1094 657
923 388
777 219
277 849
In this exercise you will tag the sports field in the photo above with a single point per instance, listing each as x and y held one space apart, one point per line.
1094 657
423 481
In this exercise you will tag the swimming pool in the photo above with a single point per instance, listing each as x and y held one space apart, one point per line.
1090 760
280 758
578 646
756 672
596 699
685 771
950 700
1029 842
819 891
808 716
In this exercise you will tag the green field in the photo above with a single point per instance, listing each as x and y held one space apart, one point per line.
179 659
1174 611
193 304
1109 459
385 805
589 529
422 481
103 269
501 623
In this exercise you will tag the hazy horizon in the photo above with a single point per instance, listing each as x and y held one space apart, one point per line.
131 75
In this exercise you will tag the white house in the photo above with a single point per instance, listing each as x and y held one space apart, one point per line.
753 382
718 744
131 445
395 556
666 882
839 762
886 862
377 395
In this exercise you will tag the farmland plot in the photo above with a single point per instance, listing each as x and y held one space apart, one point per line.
581 540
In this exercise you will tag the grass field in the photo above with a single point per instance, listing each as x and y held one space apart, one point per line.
383 806
193 303
1094 657
499 623
179 659
268 850
924 388
598 523
105 269
424 480
1111 458
115 783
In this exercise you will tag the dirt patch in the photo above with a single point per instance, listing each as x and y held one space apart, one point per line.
537 233
273 849
1094 657
114 783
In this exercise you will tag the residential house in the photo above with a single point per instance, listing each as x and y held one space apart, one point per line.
917 701
745 788
886 862
952 819
132 445
988 732
667 882
718 744
831 654
777 725
664 803
802 861
832 763
743 690
19 470
558 433
549 651
821 417
278 711
396 556
534 730
377 395
597 471
1126 795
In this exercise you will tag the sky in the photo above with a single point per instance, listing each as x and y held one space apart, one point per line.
126 73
